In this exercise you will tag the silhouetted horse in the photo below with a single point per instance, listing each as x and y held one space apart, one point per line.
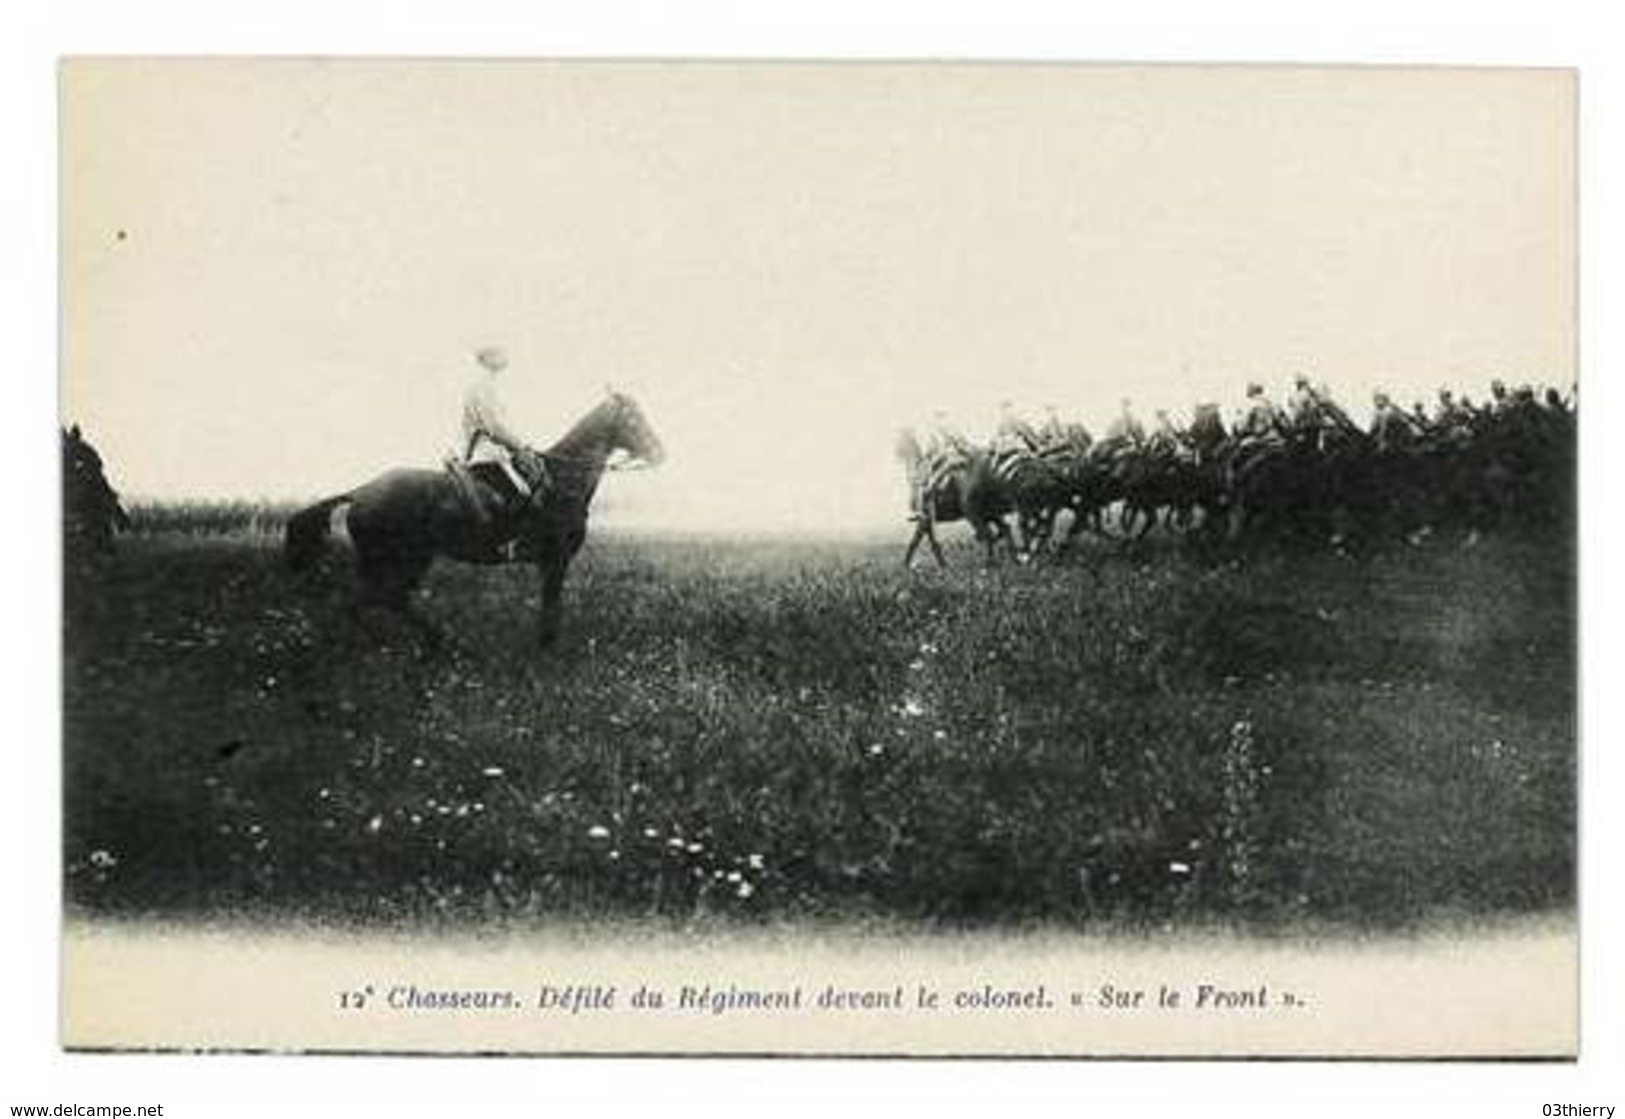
971 492
1164 486
1037 488
90 506
1271 489
1309 490
1090 487
402 520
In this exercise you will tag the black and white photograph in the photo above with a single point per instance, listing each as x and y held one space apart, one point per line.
884 558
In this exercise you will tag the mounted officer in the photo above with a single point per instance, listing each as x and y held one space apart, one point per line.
508 471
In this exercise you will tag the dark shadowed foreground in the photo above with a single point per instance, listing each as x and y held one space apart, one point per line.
804 730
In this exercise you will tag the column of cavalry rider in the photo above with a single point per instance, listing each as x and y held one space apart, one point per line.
1037 471
1308 465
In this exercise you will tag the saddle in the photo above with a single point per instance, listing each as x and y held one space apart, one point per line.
494 511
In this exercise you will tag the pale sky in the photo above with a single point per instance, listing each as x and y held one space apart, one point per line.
275 273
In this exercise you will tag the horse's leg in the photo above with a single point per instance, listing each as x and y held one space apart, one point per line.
552 568
1003 532
914 543
378 575
1126 520
1024 536
1148 524
1082 520
1236 521
989 536
1036 528
924 529
434 637
387 576
1043 532
394 592
1059 547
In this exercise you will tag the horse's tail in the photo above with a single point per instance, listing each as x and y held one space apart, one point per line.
306 533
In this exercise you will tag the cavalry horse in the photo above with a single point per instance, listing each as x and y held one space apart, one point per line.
971 492
401 521
1328 484
91 510
1038 488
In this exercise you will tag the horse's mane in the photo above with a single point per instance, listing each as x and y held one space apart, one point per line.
586 428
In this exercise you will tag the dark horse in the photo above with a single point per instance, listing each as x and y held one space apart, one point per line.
91 510
972 492
403 519
1038 488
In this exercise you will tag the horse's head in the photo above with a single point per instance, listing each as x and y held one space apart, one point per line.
617 424
73 440
631 431
81 458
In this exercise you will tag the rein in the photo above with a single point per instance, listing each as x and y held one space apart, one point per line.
595 460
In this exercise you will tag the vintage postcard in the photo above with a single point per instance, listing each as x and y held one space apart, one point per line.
900 559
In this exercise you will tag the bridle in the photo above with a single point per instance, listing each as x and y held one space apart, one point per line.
621 405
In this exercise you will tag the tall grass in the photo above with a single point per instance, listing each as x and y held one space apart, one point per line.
208 518
767 730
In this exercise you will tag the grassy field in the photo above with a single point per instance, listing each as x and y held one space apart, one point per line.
770 730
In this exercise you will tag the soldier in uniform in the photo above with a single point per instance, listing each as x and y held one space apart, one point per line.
1446 411
1311 414
1012 433
1260 433
934 444
944 440
1125 432
1052 433
944 450
1525 412
489 442
1262 424
1391 429
1419 419
1303 409
1079 440
1482 419
1334 416
1560 419
1207 434
1166 441
1452 419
